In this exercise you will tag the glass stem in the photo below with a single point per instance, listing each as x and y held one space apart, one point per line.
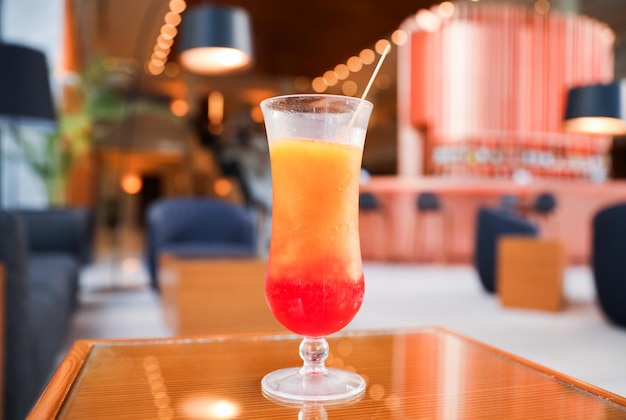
314 352
312 411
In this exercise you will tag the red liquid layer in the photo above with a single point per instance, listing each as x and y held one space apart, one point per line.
313 307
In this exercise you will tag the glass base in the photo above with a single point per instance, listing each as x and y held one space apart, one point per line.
331 385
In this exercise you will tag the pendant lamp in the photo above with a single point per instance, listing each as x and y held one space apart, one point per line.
215 40
595 109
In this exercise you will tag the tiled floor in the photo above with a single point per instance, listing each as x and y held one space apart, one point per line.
117 303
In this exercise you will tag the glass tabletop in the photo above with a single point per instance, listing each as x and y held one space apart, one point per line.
416 373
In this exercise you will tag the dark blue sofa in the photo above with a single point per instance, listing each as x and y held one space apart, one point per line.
42 252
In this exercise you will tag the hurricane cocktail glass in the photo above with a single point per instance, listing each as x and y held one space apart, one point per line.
314 284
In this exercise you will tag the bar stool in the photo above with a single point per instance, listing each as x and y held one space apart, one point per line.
372 229
368 202
510 203
431 229
542 213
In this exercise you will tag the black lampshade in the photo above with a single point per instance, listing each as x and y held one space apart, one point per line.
215 39
24 84
595 109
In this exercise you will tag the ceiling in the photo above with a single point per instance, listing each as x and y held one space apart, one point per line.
290 38
613 13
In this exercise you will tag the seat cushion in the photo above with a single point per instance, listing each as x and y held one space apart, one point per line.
53 279
48 332
428 201
55 274
213 250
368 202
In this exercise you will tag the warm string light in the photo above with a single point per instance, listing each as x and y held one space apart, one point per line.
341 73
158 60
542 6
446 9
383 54
367 56
428 20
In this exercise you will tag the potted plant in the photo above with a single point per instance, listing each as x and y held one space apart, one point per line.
92 100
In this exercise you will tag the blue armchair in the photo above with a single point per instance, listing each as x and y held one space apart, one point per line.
607 261
490 226
197 228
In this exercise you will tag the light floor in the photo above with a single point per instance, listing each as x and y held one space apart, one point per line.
117 303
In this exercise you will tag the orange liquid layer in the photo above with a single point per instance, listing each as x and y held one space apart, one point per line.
315 278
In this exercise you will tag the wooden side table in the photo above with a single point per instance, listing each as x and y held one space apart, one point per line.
215 296
530 273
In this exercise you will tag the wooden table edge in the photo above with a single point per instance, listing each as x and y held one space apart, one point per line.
561 377
53 397
49 403
51 400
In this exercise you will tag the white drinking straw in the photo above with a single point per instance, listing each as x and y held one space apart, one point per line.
380 63
369 84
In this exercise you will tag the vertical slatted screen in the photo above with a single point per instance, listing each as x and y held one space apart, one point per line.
488 84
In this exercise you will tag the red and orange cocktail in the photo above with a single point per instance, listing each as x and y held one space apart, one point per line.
314 284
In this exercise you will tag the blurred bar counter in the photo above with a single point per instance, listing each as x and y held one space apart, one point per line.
393 235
